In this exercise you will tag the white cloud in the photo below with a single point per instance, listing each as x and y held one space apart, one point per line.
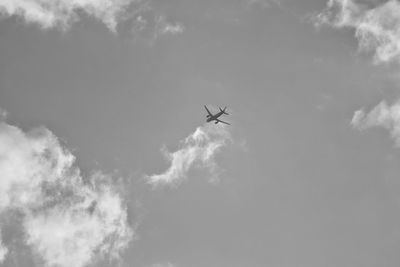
262 3
164 27
68 220
3 251
3 114
382 115
198 149
61 13
141 17
377 28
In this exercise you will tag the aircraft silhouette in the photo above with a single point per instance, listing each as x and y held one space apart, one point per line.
214 117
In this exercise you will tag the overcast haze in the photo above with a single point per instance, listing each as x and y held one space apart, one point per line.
106 158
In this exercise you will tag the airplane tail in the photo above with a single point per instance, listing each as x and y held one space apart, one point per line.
223 111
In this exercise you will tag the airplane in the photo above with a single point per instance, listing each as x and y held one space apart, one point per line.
214 117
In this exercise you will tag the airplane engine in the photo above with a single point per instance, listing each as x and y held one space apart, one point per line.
216 122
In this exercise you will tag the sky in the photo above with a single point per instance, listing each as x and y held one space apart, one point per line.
106 158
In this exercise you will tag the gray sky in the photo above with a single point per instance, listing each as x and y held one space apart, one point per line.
307 175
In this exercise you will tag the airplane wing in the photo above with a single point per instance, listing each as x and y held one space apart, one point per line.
209 113
223 122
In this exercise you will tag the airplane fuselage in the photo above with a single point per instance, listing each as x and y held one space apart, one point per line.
214 117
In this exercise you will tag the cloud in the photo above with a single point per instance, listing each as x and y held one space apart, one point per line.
377 26
3 114
67 219
61 13
3 251
165 27
262 3
196 150
382 115
137 15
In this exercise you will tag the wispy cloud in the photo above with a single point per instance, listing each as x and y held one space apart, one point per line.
3 251
165 27
383 115
262 3
137 15
3 114
68 219
196 150
376 25
61 13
